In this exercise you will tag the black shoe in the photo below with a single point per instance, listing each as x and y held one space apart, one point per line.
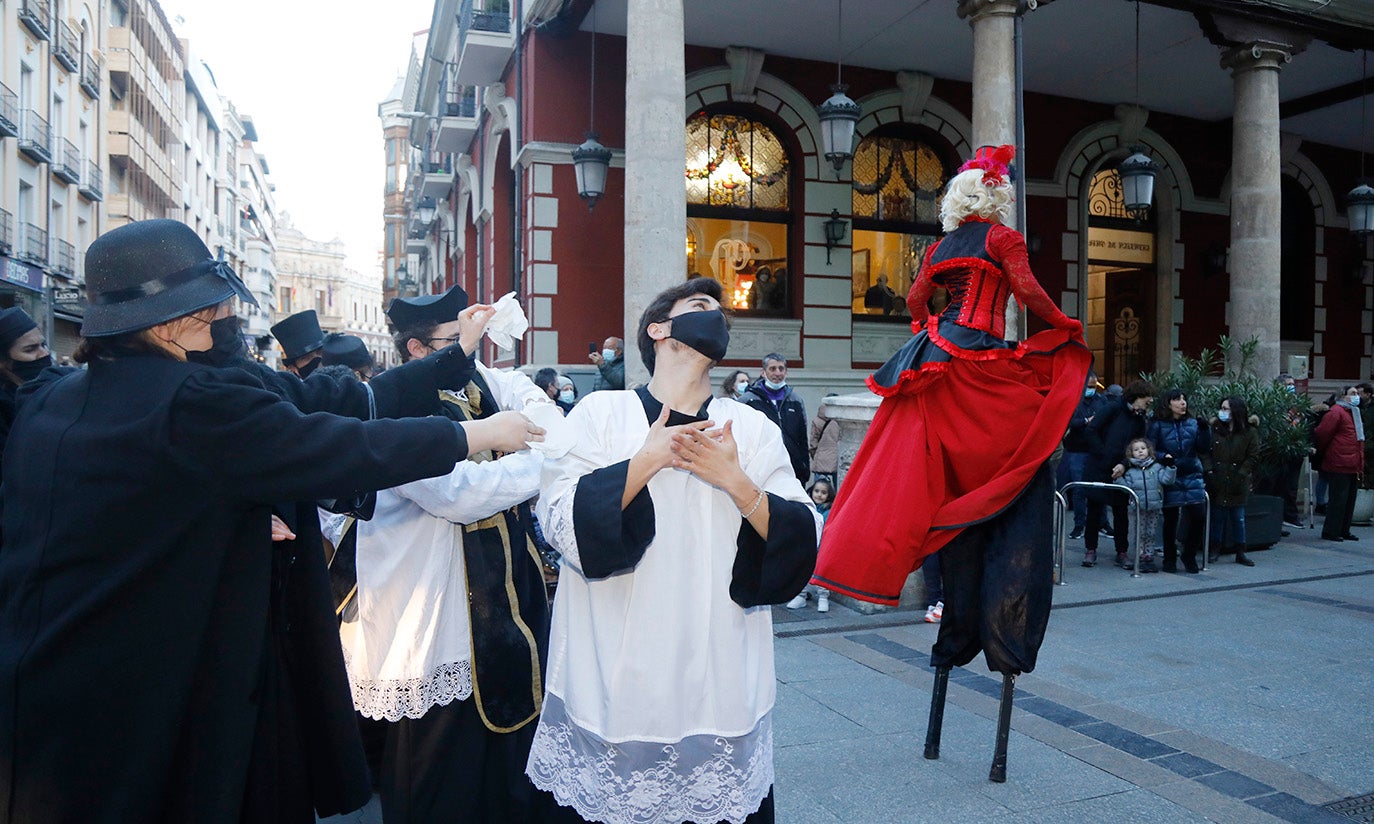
1347 536
1190 566
1076 533
1242 560
1283 533
1213 556
1169 566
1319 509
1331 538
1106 530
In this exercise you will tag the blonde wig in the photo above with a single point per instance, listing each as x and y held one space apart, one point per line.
967 195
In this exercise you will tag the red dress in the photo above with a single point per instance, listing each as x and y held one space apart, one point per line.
967 418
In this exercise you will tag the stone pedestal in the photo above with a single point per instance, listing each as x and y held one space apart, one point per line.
852 414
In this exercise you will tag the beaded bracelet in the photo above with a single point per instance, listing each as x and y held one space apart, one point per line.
758 502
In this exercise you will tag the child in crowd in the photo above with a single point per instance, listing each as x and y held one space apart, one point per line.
1147 477
822 494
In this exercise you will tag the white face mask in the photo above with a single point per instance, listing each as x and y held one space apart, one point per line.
567 396
608 354
1224 415
741 387
774 386
1354 400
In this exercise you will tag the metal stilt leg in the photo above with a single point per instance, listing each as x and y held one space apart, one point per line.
937 712
998 773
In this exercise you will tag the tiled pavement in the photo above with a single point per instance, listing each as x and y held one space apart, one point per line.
1235 695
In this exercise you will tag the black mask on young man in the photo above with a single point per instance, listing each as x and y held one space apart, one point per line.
706 332
226 344
304 371
28 370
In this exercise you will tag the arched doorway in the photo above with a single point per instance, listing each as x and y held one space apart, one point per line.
1120 327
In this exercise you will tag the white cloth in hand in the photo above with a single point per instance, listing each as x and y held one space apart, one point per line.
508 323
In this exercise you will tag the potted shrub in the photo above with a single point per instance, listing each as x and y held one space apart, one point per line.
1284 428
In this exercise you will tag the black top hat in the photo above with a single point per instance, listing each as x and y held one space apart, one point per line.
299 334
150 272
14 323
408 313
347 350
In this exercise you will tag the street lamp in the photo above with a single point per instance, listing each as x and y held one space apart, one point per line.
1359 208
591 161
1137 183
838 114
426 210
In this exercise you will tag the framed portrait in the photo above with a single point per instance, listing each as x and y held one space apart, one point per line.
859 262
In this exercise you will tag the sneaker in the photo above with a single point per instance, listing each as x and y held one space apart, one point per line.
1147 564
1122 560
1293 524
823 601
1076 533
1090 558
1107 530
799 601
935 613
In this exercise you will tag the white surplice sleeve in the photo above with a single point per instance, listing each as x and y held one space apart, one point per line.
473 491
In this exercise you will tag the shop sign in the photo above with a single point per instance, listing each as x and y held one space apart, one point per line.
69 300
1120 246
18 272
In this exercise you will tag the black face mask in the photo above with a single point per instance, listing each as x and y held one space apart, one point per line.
304 371
28 370
226 344
706 332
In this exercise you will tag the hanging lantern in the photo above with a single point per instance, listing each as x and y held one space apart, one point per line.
838 116
1138 184
591 161
1359 209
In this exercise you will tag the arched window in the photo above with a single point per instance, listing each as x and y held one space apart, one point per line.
739 216
898 178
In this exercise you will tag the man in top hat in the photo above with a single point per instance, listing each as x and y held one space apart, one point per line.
301 339
349 350
451 631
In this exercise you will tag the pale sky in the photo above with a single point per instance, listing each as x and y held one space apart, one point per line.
311 73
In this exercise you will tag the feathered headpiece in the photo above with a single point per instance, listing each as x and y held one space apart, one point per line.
995 161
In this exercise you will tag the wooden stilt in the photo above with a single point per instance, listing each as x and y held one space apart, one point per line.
998 773
937 712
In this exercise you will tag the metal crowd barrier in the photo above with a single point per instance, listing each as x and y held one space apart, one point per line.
1061 534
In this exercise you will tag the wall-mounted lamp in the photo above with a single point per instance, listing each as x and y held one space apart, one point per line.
834 232
1034 243
1214 260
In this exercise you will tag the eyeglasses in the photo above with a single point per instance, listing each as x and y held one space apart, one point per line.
444 341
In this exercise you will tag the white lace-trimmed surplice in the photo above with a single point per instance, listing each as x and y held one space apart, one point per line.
411 647
659 686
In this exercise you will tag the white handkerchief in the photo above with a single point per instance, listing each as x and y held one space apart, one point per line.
508 323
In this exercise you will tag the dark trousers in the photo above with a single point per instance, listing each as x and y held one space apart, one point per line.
447 766
1071 468
1282 482
930 573
567 815
1340 504
1119 503
998 582
1183 523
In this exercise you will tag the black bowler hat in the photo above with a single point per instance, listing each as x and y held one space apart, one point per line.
149 272
14 324
346 350
299 334
408 313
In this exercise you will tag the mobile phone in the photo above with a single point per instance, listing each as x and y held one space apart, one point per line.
591 348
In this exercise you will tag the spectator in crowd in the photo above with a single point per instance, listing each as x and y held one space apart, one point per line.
735 386
822 494
1115 391
1235 453
547 380
1367 418
880 296
773 397
301 340
567 394
1341 443
1147 478
25 355
610 365
1185 440
824 443
1078 450
1113 427
1281 479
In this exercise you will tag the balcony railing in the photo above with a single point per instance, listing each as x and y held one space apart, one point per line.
92 182
67 49
66 258
35 139
90 76
33 245
493 15
485 42
9 112
6 232
37 16
460 101
66 162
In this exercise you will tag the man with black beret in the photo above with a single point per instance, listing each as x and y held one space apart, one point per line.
301 339
451 632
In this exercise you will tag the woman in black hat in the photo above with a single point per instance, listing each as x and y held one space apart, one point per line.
143 626
23 354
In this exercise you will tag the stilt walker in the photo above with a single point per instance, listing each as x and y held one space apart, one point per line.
956 458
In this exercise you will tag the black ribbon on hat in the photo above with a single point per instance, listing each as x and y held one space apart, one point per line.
210 266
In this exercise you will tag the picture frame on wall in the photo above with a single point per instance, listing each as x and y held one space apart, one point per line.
859 263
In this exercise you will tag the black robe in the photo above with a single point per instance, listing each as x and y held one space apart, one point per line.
139 677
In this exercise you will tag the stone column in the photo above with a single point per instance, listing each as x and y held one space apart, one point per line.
655 191
1254 60
994 89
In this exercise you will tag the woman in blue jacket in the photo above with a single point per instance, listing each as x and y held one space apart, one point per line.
1186 439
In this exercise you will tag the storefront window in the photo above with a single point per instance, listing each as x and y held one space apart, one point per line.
896 205
739 211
